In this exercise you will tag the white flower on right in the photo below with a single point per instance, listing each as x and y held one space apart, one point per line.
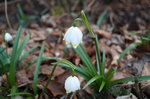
73 36
72 84
8 37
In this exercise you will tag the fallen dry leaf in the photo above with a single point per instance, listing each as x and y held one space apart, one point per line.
130 96
47 69
56 88
21 77
103 34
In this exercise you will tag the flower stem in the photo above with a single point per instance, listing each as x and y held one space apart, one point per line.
49 80
73 73
84 18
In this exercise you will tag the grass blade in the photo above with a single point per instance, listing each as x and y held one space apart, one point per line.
110 74
131 46
103 63
86 59
20 93
28 53
102 86
67 63
91 81
98 57
35 80
22 46
147 77
12 68
103 16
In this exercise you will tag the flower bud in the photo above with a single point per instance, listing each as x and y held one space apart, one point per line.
8 37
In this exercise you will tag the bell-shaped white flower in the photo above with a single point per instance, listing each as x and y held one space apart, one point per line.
73 36
8 37
72 84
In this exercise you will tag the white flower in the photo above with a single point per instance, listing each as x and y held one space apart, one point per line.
8 37
72 84
73 36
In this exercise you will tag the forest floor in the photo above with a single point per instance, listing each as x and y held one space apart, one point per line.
126 22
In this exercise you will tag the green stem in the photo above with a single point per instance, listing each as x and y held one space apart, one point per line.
84 18
98 57
49 80
73 73
75 21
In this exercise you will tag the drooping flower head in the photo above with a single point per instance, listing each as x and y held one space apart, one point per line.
8 37
72 84
73 36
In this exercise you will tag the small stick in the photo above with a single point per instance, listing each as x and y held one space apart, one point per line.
6 14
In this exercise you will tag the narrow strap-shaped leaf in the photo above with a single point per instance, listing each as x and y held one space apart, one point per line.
86 70
35 80
3 88
103 16
4 57
86 59
103 63
67 63
98 57
102 86
13 58
13 91
85 20
147 77
20 93
22 46
110 74
78 70
91 81
131 46
28 53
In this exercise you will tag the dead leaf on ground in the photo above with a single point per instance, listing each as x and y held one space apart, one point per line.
47 69
22 77
120 74
130 96
103 34
56 88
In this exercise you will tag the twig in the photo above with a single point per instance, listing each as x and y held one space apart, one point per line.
6 14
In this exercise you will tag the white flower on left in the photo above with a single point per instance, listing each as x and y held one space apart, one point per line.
72 84
8 37
73 36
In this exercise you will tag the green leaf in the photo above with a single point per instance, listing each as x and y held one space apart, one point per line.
38 63
103 62
91 81
13 59
103 16
147 77
86 70
28 53
110 74
13 91
102 86
98 57
86 59
20 93
67 63
131 46
85 20
4 61
3 88
22 46
78 70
